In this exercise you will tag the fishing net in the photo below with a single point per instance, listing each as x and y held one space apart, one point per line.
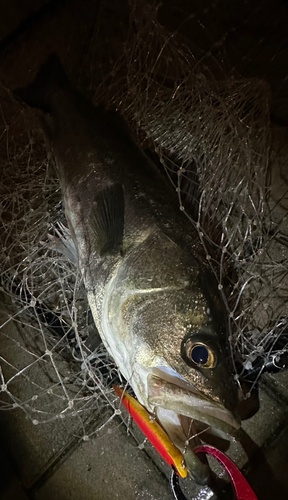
56 334
211 131
169 72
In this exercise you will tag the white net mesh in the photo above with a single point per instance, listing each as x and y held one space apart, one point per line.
211 131
64 371
212 134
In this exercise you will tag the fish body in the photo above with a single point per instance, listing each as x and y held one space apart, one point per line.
153 298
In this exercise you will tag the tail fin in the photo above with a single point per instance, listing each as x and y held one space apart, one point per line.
51 77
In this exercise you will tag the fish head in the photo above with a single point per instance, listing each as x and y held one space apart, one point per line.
182 372
166 315
184 344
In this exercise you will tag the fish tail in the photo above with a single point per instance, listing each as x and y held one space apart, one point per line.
49 79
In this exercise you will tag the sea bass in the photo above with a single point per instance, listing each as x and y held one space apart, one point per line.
153 298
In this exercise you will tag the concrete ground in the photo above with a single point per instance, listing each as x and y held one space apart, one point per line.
52 461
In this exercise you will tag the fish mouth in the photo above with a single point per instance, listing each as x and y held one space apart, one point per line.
174 394
182 410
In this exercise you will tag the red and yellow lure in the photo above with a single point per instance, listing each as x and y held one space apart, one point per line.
158 437
154 432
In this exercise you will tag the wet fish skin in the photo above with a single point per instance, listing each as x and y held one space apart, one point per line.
148 286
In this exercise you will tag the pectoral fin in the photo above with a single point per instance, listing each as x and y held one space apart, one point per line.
107 219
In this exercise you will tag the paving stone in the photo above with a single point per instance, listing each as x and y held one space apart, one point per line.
268 474
35 448
111 466
278 384
10 486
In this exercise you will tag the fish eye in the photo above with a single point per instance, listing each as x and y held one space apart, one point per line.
200 354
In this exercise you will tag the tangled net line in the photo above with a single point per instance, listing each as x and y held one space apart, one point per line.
212 136
48 353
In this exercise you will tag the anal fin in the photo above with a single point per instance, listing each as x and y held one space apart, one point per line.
107 219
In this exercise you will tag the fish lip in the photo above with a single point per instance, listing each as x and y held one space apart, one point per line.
189 402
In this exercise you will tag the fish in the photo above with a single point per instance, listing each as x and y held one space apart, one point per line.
153 297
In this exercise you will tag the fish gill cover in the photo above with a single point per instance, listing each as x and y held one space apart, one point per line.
209 130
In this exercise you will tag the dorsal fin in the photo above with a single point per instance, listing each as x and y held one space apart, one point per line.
50 77
107 219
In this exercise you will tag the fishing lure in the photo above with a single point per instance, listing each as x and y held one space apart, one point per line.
174 457
152 430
